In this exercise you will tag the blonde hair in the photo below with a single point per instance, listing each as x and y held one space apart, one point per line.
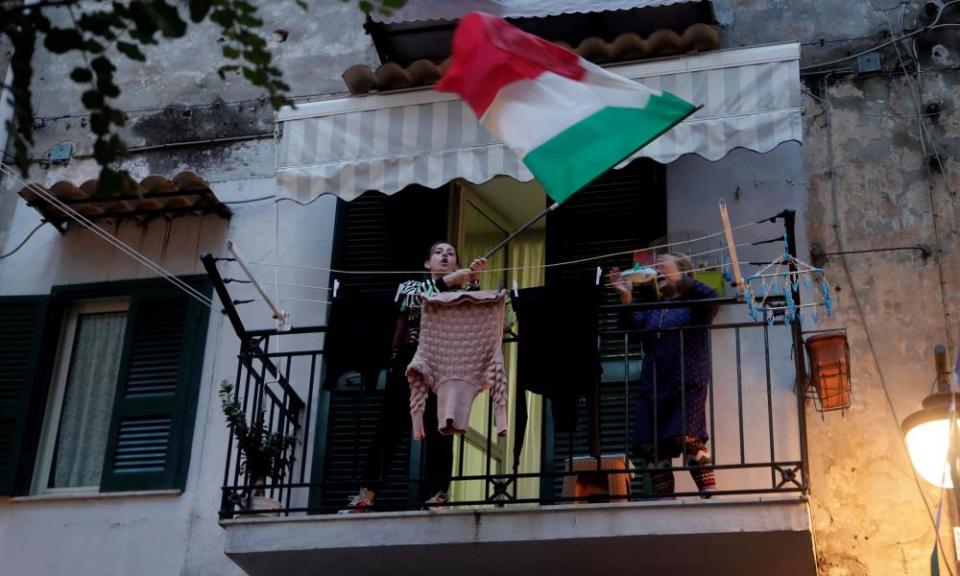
684 265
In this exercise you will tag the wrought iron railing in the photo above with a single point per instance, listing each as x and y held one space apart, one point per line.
754 407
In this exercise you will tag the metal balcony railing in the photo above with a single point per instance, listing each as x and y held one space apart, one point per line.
754 414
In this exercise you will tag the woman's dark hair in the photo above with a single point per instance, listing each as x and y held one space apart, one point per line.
434 247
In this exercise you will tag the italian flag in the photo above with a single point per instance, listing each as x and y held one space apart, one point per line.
566 118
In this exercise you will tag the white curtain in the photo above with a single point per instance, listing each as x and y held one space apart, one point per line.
88 400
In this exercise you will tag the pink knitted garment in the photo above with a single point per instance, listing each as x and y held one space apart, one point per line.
459 355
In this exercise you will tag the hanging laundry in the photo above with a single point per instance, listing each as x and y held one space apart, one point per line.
557 354
359 338
460 354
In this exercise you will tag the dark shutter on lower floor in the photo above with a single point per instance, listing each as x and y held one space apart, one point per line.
21 330
155 405
621 211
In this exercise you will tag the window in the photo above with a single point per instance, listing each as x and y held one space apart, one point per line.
77 421
100 395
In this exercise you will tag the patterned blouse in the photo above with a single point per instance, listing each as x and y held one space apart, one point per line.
410 294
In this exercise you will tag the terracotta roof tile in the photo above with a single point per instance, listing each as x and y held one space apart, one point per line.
154 196
360 79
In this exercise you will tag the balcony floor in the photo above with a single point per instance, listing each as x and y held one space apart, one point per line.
731 535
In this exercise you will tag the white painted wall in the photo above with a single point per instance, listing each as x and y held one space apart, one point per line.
179 534
162 534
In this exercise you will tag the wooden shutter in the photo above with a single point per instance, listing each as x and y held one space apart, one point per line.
155 405
21 328
353 422
373 232
380 232
621 211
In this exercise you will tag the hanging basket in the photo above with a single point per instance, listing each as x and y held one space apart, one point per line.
829 355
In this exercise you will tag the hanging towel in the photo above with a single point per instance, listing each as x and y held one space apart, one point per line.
460 354
359 338
558 355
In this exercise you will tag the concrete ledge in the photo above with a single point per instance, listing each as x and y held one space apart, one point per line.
724 535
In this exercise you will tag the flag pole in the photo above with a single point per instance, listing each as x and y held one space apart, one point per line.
554 206
522 227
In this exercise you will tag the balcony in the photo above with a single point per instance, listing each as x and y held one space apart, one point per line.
578 500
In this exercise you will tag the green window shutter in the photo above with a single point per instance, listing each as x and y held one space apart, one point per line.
155 404
21 327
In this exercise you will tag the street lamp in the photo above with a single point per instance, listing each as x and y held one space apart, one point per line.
927 431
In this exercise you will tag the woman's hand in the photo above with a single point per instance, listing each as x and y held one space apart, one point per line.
457 278
478 265
623 286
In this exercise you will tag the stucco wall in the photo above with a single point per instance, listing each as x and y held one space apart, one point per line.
863 157
865 164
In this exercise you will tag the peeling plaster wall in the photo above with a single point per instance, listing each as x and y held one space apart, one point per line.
865 164
863 159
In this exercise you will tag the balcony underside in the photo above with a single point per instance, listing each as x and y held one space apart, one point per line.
725 535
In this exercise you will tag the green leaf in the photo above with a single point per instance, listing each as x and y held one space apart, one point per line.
145 21
81 75
366 6
60 41
131 51
303 5
99 123
171 24
199 9
102 66
100 23
222 72
93 47
249 21
230 52
92 99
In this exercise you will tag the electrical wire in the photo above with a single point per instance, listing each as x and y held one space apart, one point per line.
23 242
932 26
249 200
8 171
916 95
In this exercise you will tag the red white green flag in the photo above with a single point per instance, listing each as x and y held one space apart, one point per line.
566 118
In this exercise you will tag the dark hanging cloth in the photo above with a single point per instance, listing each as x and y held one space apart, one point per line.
360 334
557 355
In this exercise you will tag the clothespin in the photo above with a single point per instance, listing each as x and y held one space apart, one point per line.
396 298
599 274
516 292
336 287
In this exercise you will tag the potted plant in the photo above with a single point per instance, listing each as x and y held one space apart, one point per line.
262 453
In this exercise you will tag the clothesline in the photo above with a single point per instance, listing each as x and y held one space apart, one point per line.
530 267
536 266
69 212
329 302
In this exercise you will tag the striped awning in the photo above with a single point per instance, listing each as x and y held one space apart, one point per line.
751 99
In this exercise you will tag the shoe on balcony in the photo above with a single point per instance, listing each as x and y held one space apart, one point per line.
358 503
437 502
